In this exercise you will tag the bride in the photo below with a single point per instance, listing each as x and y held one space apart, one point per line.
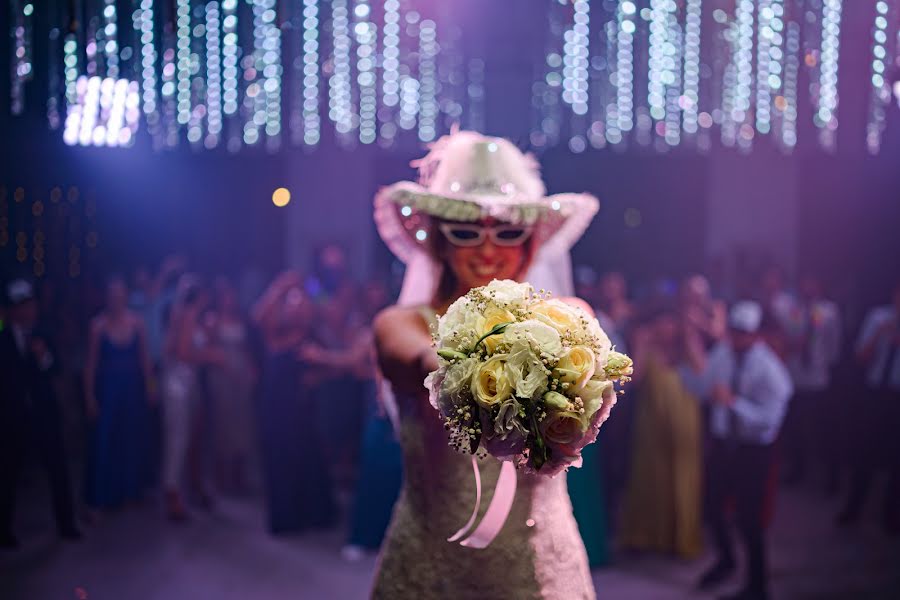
478 213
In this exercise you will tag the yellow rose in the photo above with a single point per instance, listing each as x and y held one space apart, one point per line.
563 427
491 386
558 315
576 366
490 319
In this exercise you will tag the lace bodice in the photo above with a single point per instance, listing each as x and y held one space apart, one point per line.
537 555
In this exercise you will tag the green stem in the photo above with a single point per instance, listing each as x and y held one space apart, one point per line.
498 329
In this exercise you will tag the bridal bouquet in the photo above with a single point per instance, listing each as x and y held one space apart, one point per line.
523 376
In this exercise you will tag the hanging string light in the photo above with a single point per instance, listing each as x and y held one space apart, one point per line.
311 119
366 38
546 91
826 113
390 78
255 99
183 73
791 87
145 25
764 43
213 75
428 81
743 73
340 100
230 57
656 71
54 91
476 94
624 108
673 52
690 100
409 81
197 80
111 37
22 71
449 55
272 74
576 52
880 94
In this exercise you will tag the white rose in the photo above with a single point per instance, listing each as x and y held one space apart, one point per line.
508 293
455 328
539 335
559 315
458 377
526 372
594 393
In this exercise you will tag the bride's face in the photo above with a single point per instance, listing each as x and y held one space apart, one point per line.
478 253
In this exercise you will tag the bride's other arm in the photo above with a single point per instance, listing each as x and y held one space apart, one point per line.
405 352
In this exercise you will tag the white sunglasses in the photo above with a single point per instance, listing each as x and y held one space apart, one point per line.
470 234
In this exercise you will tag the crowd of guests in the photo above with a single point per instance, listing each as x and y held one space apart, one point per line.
196 388
732 395
183 388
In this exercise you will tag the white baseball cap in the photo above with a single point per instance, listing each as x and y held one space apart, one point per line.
745 316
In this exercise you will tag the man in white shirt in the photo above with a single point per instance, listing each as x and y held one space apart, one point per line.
748 389
812 328
876 420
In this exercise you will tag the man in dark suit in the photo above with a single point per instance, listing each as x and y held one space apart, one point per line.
29 415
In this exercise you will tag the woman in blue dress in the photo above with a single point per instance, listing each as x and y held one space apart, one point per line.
298 486
117 372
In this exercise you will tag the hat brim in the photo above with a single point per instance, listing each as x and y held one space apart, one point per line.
404 208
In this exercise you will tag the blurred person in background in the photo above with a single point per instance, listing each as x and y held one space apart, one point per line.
185 351
777 303
662 506
812 329
297 482
614 311
875 420
380 470
701 312
117 377
230 387
151 296
337 321
29 413
749 389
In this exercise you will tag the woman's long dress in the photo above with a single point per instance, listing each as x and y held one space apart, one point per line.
663 500
231 392
380 476
298 487
589 504
118 465
537 555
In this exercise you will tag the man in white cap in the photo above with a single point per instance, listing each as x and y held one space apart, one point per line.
748 388
28 411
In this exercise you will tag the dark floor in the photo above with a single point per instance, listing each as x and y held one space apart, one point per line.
225 555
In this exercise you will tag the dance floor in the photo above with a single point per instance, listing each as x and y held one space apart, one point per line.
224 555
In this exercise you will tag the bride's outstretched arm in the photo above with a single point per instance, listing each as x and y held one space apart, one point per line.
404 347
